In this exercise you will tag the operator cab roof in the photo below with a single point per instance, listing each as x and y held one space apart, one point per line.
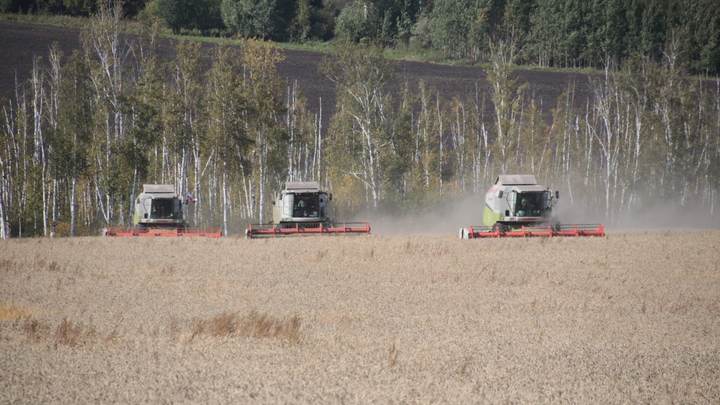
159 190
520 182
302 186
516 180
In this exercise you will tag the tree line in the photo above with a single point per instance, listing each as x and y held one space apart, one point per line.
549 33
646 135
81 136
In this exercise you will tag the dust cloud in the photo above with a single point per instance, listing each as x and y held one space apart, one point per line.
444 218
447 217
651 215
660 216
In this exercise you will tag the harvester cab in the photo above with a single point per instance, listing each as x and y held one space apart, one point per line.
160 211
303 208
516 206
301 203
158 206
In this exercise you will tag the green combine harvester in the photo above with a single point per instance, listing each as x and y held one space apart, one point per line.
516 206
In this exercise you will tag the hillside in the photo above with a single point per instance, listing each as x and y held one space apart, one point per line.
21 42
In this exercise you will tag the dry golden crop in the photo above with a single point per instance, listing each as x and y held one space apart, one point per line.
628 318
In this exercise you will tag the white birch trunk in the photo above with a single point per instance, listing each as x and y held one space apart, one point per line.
440 140
261 185
320 144
72 206
225 200
39 154
4 232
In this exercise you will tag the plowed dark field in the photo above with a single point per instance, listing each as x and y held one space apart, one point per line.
20 42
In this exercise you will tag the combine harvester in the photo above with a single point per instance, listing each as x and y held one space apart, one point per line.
159 213
303 209
517 207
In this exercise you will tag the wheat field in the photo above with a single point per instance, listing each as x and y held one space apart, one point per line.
633 317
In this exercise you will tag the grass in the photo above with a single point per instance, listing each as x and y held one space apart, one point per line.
224 325
412 54
255 325
392 356
34 329
69 333
9 312
46 19
7 265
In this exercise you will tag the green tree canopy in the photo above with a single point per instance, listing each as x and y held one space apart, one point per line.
251 18
357 21
190 14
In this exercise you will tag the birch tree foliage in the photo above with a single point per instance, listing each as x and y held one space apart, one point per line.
395 156
507 97
107 54
362 124
74 132
264 119
227 133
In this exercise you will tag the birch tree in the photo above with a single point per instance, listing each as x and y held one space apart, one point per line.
507 96
361 75
227 131
264 117
107 54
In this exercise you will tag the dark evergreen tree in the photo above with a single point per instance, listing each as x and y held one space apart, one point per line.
616 29
202 15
